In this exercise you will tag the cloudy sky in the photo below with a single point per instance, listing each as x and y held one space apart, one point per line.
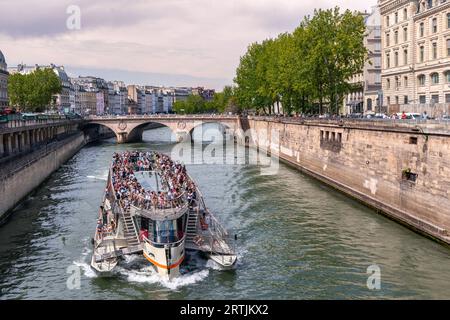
158 42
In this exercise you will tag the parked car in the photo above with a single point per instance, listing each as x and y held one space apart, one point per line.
409 115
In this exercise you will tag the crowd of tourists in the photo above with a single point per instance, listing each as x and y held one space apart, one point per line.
176 187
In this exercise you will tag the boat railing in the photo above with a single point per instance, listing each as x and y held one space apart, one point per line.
218 235
161 244
173 211
176 203
218 245
214 224
108 234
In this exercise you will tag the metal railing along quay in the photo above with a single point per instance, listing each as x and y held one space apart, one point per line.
435 124
17 125
12 164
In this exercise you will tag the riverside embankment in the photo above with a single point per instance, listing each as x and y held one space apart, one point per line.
37 149
20 177
401 169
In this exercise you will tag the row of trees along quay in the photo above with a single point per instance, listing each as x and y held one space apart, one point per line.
306 71
33 92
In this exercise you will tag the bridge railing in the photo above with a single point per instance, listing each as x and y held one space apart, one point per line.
162 116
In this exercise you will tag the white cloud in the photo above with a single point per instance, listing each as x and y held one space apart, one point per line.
201 38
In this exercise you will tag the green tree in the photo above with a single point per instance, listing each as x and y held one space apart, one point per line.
196 104
33 92
335 52
305 69
179 107
221 99
193 104
17 86
250 80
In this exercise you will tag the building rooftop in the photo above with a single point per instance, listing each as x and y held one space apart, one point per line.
2 62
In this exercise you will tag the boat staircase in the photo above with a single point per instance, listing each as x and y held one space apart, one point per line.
129 230
191 229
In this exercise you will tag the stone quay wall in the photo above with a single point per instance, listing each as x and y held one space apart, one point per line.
20 178
400 169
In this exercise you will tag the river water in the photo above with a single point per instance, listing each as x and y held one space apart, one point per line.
297 239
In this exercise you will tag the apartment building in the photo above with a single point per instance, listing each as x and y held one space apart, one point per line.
4 101
366 93
416 53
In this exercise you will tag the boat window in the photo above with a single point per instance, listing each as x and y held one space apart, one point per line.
165 231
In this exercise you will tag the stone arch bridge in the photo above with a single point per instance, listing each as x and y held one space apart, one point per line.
130 128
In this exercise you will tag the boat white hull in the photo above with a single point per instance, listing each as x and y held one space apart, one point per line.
105 267
166 267
224 261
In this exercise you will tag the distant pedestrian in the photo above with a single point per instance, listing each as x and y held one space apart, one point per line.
404 116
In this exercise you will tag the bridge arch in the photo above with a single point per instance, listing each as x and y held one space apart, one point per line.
125 130
98 130
222 126
137 131
130 128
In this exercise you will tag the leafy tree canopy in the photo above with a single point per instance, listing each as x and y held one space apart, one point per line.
33 92
306 70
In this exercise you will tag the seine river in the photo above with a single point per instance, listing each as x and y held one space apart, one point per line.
297 239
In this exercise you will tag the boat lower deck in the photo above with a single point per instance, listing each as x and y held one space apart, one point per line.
99 257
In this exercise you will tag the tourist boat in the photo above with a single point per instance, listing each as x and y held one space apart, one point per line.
162 231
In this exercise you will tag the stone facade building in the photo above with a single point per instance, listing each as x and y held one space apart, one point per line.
368 83
4 101
416 54
105 95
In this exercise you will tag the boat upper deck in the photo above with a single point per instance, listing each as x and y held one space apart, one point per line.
156 214
169 190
